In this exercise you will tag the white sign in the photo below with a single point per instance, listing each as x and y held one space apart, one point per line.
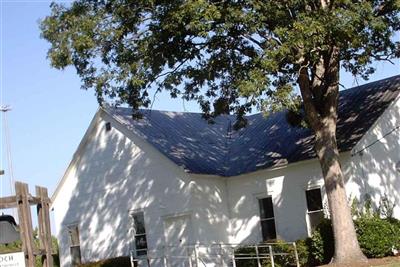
12 260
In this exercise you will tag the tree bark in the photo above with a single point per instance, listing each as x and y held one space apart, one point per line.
320 100
347 248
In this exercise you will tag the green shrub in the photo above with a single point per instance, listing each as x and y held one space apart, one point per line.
321 244
123 261
290 258
303 251
244 252
396 229
377 236
284 255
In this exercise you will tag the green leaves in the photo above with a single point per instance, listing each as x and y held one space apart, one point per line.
238 51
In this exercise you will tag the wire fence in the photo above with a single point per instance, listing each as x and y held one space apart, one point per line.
224 255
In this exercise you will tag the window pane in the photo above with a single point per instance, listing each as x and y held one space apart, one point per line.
268 230
314 200
140 233
75 255
73 232
140 242
138 220
315 219
266 208
141 252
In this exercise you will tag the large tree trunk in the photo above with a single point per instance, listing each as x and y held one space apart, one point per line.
320 97
347 248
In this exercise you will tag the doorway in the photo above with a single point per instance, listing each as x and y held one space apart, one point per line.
177 231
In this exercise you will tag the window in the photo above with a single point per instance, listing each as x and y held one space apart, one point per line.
267 218
108 126
315 208
75 247
139 233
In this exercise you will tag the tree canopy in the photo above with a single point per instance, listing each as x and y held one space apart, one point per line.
229 56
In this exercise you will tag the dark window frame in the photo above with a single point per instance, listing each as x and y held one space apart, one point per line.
140 235
312 207
267 216
74 243
315 211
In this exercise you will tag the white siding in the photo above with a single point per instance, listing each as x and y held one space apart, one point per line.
373 171
116 172
287 187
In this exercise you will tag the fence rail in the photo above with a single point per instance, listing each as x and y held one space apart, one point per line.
225 255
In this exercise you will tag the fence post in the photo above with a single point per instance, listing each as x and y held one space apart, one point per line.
132 258
44 226
233 258
189 256
25 222
296 254
196 256
221 255
258 257
271 255
165 257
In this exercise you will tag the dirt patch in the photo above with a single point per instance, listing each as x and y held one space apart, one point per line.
384 262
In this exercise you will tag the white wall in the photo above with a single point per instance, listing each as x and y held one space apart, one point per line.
117 172
287 188
373 170
373 173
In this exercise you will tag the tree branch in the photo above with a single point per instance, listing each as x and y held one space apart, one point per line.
309 105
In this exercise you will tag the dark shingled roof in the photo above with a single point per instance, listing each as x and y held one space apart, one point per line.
199 147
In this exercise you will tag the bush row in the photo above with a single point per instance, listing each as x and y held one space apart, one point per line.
377 237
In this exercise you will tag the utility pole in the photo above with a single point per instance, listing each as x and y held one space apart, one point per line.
4 109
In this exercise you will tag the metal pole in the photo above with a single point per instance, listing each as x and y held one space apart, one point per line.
132 258
233 258
258 257
196 256
296 254
165 257
165 261
271 254
221 256
189 256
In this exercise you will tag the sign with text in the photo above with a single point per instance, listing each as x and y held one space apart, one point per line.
12 260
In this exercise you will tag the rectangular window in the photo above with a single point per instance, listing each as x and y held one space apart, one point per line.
139 233
267 219
314 200
315 208
75 247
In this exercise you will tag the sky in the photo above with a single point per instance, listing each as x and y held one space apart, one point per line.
50 113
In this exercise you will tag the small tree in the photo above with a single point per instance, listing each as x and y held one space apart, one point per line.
230 56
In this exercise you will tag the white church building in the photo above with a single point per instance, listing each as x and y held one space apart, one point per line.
172 180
